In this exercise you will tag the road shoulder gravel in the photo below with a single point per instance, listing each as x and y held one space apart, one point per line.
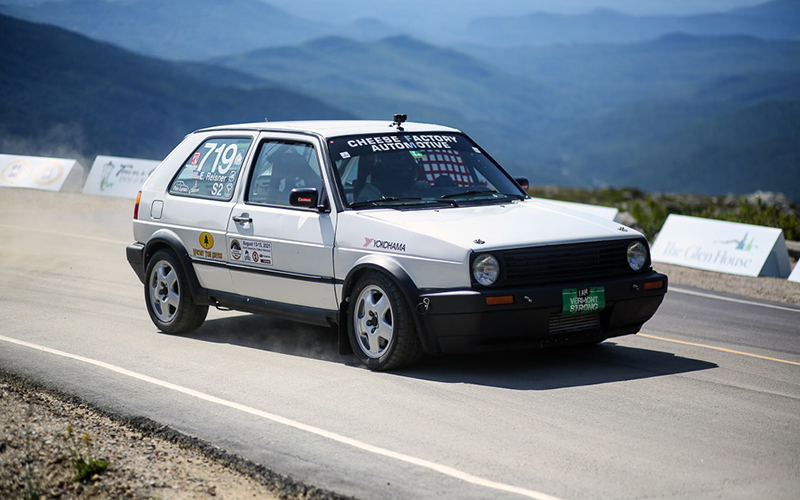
770 289
147 460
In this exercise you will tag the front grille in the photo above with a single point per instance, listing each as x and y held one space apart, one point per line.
576 323
576 262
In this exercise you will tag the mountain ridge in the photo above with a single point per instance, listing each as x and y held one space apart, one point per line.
102 99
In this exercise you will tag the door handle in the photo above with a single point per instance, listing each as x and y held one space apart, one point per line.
242 219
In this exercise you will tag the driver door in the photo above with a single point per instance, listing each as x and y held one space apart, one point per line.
278 252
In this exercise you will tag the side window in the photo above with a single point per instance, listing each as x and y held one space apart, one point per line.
211 171
280 167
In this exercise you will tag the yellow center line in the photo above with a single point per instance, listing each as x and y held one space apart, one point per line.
722 349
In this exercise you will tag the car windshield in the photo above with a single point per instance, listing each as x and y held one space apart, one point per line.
417 169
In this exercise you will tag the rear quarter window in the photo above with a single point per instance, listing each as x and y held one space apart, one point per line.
212 169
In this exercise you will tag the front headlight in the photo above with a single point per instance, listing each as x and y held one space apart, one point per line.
637 255
485 269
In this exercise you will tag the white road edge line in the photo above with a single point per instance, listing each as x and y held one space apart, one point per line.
730 299
442 469
70 235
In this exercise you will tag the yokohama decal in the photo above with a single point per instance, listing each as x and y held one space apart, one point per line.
384 245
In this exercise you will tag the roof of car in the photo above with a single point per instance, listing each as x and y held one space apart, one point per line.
334 128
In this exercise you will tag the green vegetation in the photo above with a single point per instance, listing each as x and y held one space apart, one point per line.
32 491
82 458
650 210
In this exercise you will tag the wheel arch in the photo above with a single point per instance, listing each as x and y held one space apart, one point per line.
394 271
164 239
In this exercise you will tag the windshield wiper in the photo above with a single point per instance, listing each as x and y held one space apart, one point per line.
473 192
469 193
390 199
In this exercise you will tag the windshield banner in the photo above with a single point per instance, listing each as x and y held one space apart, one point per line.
363 145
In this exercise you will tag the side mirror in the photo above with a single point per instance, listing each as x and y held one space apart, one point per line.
304 197
523 183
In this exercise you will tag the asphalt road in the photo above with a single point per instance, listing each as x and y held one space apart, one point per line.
705 403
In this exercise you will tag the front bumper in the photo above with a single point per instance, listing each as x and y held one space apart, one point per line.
461 320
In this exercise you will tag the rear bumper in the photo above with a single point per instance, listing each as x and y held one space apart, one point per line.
461 320
135 255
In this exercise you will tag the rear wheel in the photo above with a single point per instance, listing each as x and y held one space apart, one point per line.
382 331
167 295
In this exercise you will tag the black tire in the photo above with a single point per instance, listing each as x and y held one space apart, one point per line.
166 293
378 310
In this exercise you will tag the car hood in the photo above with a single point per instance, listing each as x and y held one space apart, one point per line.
525 223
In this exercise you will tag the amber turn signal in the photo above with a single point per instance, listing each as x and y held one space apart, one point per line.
502 300
653 285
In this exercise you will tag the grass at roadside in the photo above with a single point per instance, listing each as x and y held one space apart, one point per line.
650 210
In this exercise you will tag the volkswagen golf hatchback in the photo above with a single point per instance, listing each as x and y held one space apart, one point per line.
407 238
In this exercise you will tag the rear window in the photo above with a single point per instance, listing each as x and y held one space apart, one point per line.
212 169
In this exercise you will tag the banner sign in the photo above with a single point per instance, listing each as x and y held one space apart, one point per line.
609 213
117 176
725 247
795 276
35 172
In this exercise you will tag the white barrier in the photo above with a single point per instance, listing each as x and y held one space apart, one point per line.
795 276
118 176
721 246
609 213
35 172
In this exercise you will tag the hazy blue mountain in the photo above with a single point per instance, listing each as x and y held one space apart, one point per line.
63 92
603 75
778 19
710 148
581 115
707 114
443 21
683 113
176 29
400 74
199 29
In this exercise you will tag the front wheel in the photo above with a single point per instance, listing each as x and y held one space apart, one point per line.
381 329
167 295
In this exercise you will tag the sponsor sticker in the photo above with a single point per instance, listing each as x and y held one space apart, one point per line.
180 187
208 254
252 251
195 159
345 154
206 240
384 245
236 250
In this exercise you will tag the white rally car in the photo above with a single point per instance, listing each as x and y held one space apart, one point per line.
406 237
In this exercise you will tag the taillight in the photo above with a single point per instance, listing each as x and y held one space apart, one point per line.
136 207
